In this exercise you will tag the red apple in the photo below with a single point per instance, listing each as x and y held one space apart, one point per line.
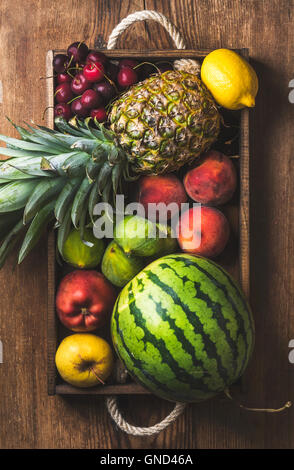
213 181
206 237
84 300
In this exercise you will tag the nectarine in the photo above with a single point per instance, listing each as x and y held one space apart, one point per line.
167 189
206 237
213 181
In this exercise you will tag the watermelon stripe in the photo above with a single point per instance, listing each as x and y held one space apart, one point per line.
180 373
210 347
187 346
241 297
251 329
216 309
222 287
154 384
137 363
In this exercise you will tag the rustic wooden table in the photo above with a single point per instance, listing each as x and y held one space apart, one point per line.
31 419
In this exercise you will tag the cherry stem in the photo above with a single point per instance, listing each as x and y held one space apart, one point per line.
45 110
45 78
148 63
74 68
75 98
165 62
111 83
70 61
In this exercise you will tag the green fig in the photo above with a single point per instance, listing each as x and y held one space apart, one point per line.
137 236
83 253
118 267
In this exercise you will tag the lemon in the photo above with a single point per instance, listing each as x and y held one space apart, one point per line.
86 253
230 79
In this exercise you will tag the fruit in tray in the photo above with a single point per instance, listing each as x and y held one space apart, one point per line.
203 231
84 360
230 79
165 122
165 190
213 181
83 250
155 127
84 300
183 328
181 325
141 237
118 267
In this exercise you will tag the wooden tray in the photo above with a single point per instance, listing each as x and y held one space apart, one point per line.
235 258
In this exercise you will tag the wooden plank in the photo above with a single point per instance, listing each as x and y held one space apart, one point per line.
125 389
51 317
244 247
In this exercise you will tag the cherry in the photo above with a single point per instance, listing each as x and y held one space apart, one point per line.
96 56
128 63
63 93
80 84
91 99
94 71
60 63
63 77
127 77
77 51
99 113
78 109
63 110
106 91
112 71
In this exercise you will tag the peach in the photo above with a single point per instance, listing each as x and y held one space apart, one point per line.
213 181
207 237
165 189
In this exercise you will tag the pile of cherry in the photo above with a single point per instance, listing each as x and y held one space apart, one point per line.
87 81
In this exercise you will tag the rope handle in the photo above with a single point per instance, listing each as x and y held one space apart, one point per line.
112 406
141 16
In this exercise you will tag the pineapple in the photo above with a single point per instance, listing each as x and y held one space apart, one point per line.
165 122
156 127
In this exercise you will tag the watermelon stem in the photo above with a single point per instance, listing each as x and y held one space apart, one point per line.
288 404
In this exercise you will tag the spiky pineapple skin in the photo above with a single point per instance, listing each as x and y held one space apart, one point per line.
165 121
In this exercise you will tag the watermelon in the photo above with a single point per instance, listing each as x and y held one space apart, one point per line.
183 328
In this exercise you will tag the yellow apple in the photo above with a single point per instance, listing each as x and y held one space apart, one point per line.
84 360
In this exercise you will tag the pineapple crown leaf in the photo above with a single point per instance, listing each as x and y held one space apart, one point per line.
103 177
67 127
25 135
75 166
46 165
